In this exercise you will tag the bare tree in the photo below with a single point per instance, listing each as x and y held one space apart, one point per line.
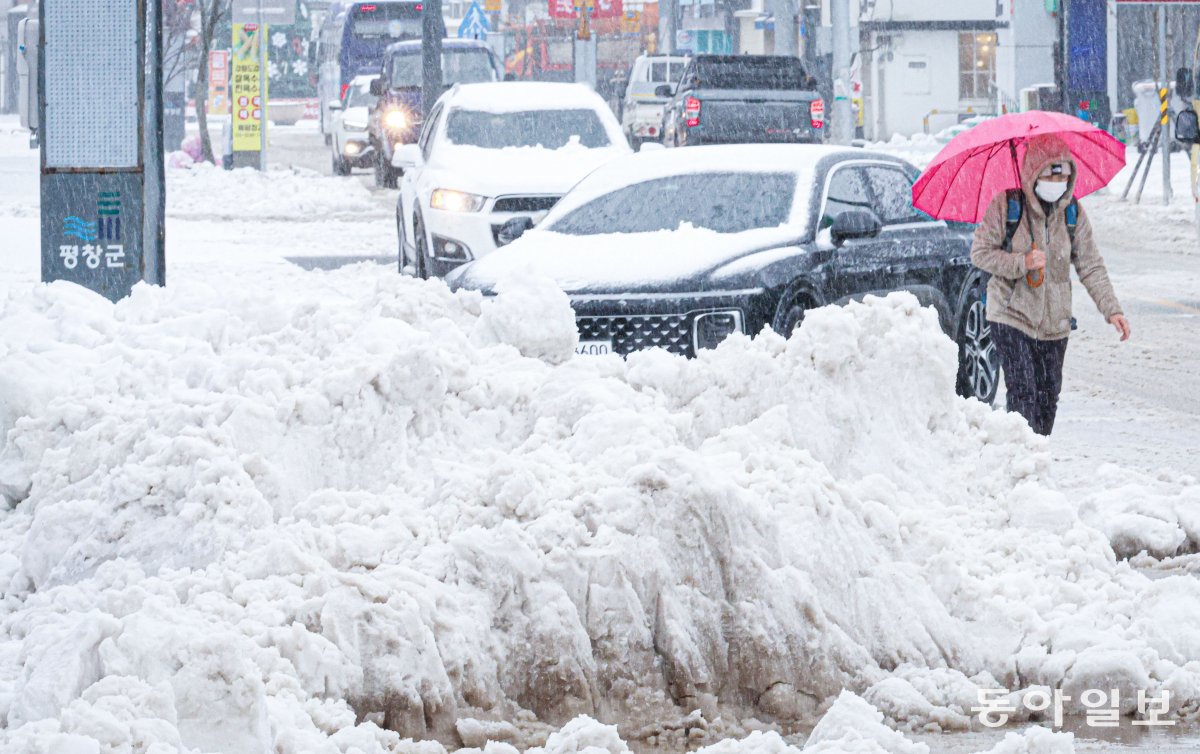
178 38
212 13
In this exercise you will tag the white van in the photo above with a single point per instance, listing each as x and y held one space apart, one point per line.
642 111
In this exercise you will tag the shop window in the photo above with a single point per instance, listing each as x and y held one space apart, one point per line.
976 66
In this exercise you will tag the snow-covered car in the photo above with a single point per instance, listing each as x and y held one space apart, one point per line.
679 249
642 108
489 153
349 142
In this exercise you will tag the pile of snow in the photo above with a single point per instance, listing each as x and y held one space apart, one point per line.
357 510
205 191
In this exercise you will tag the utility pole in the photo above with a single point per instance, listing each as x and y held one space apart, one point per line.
262 88
1165 83
785 28
668 12
433 28
842 127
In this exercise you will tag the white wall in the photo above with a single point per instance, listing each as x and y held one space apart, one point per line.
934 10
1025 55
921 76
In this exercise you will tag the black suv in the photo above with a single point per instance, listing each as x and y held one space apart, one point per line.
724 239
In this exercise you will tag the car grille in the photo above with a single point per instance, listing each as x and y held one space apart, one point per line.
630 333
525 203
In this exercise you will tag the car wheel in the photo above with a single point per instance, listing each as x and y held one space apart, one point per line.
385 174
328 140
340 166
402 262
978 359
791 318
421 250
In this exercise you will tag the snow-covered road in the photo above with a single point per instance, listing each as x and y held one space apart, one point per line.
381 511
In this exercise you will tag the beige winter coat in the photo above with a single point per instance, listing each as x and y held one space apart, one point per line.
1044 312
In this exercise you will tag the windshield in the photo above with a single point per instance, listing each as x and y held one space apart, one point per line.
665 72
360 95
724 202
458 67
552 129
390 21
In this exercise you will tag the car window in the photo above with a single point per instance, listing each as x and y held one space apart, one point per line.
893 196
463 66
847 190
425 140
724 202
552 129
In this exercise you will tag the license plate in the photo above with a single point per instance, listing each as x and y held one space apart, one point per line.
593 348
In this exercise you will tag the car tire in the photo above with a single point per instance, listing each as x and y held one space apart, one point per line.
328 139
385 175
978 358
401 261
420 249
790 318
340 166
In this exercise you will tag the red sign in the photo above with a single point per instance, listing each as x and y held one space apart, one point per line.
595 8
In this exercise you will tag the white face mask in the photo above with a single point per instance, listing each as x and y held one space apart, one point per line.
1050 191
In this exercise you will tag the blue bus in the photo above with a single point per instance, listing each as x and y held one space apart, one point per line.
352 41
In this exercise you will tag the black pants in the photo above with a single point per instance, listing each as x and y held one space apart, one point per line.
1032 374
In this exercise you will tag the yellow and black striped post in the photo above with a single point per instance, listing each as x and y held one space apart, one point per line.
1164 116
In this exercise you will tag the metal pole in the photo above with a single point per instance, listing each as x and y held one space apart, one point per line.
262 89
842 127
668 12
1166 128
785 28
432 31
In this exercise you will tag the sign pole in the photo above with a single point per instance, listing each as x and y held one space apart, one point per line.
262 89
1166 113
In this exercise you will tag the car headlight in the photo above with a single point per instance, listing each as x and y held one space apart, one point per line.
395 119
710 328
456 201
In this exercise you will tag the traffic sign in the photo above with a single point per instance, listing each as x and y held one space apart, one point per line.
475 24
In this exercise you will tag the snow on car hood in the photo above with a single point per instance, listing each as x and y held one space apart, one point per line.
629 261
519 170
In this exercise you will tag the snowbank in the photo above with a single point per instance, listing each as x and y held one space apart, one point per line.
354 511
204 191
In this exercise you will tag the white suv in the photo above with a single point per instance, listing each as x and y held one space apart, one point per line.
491 154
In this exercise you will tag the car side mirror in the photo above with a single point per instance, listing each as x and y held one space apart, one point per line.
406 156
377 87
513 229
663 90
335 105
853 224
810 82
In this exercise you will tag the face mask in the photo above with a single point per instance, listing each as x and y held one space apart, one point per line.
1050 191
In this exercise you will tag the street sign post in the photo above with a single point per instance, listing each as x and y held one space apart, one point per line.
102 170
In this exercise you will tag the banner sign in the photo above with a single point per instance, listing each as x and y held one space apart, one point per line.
246 105
218 82
274 12
594 8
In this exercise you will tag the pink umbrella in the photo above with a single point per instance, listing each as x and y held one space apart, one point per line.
980 163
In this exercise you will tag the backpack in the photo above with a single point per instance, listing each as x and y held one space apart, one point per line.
1016 208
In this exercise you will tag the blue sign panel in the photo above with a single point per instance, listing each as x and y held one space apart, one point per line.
475 24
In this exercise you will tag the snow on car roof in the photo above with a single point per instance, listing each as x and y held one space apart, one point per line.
800 159
517 96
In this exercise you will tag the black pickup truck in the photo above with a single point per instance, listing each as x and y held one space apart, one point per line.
741 99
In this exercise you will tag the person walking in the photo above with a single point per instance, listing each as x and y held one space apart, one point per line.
1028 240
